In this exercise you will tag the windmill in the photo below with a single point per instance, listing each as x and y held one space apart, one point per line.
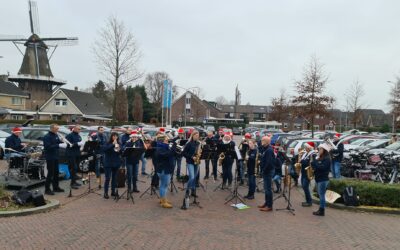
35 76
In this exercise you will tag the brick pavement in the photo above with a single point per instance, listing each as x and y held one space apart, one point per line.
94 223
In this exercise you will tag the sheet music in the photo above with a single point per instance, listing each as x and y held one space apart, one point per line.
238 154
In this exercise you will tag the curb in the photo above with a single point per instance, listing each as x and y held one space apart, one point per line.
366 209
53 204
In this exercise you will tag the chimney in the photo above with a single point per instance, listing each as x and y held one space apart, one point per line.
76 88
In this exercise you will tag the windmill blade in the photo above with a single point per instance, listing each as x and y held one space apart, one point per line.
60 41
59 38
34 17
11 38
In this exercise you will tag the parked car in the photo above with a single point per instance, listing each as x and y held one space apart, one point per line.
275 137
293 148
210 128
388 149
3 136
236 131
358 143
351 138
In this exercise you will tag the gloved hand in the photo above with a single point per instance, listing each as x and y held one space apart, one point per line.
62 145
80 143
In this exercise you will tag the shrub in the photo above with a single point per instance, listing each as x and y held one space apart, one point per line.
370 193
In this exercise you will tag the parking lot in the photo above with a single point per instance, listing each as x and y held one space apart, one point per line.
93 223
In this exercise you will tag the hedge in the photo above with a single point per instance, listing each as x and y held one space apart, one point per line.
370 193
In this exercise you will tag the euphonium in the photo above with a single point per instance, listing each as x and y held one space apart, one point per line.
221 158
297 165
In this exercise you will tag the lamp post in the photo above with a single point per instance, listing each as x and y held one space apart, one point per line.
393 111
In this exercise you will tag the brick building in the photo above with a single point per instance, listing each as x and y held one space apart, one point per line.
188 107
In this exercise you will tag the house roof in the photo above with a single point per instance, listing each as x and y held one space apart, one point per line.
87 103
9 88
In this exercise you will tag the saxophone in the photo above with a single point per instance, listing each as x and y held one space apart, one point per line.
197 156
309 169
297 165
221 158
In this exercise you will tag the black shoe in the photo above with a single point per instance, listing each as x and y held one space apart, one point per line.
49 192
319 212
58 190
144 173
135 190
194 195
206 177
74 186
306 204
106 196
249 197
113 194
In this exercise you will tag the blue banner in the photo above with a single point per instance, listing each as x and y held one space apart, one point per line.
166 94
170 95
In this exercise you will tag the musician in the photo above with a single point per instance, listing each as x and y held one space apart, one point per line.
243 148
217 140
211 145
124 138
14 142
305 182
52 143
164 156
112 163
321 165
280 156
73 154
268 168
132 162
251 156
227 163
337 157
178 156
101 139
189 152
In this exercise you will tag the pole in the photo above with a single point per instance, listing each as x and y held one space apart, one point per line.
393 123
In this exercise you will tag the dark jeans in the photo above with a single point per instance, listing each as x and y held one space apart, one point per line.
252 184
178 162
268 187
227 171
99 162
73 163
111 173
305 184
207 167
214 163
132 171
321 188
52 174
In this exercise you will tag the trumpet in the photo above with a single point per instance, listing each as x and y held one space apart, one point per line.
63 139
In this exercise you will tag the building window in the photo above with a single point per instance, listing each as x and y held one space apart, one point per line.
187 100
187 111
16 101
316 127
60 102
16 117
56 117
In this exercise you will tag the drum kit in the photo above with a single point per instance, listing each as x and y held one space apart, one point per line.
24 166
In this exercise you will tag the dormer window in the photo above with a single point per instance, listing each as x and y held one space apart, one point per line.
60 102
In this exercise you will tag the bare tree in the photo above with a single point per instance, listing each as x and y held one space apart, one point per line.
280 107
354 95
154 84
121 98
137 110
221 100
117 56
310 92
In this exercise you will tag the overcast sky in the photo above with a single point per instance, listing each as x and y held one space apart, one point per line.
260 45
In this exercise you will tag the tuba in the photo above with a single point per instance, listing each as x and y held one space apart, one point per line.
297 165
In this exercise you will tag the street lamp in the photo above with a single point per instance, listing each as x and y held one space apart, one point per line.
394 102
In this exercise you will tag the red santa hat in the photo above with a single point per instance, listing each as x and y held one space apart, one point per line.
16 130
162 130
310 144
181 131
134 133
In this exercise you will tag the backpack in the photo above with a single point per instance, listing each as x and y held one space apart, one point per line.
22 197
350 197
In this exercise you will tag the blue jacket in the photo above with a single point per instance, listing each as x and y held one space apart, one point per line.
51 143
73 138
267 159
251 162
124 138
165 158
321 169
13 142
101 138
112 159
189 151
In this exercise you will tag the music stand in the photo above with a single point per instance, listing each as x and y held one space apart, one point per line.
130 152
286 189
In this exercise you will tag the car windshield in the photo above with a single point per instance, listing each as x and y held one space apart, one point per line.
394 146
358 141
34 134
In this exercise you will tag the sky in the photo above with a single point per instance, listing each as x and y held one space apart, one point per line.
261 46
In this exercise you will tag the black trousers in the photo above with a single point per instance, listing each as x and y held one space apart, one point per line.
227 170
73 164
52 174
